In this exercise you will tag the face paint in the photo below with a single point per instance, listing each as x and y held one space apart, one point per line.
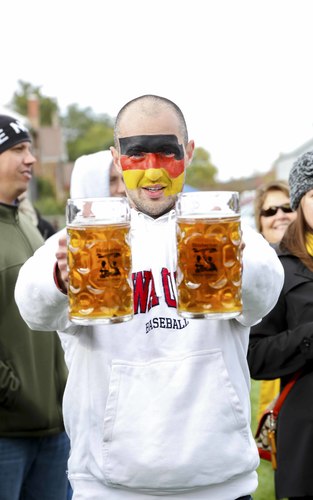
153 159
163 144
143 178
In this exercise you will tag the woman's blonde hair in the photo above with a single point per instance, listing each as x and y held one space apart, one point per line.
260 196
294 239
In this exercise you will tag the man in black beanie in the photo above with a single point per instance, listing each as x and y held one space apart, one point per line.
12 132
33 445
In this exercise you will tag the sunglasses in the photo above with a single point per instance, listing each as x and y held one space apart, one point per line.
269 212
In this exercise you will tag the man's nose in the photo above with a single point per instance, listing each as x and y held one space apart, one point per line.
151 161
29 158
153 174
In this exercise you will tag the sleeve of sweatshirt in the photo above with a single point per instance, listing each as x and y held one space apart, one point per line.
263 277
42 305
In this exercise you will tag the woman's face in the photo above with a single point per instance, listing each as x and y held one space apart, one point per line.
307 207
273 227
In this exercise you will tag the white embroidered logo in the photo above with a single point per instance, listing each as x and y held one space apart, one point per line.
17 127
3 136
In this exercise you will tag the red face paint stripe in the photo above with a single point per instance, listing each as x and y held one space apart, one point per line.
153 160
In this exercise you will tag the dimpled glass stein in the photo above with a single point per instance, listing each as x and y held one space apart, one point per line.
209 260
99 260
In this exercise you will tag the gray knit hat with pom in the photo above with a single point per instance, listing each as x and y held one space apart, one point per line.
301 178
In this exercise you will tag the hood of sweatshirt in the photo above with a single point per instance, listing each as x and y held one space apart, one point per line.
91 176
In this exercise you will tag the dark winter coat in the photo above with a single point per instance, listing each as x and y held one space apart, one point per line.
32 368
280 345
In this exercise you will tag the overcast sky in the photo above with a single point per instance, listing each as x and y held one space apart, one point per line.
241 70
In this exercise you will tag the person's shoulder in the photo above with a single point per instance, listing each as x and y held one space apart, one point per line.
285 256
288 259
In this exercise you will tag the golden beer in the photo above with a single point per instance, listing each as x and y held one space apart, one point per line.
209 267
99 261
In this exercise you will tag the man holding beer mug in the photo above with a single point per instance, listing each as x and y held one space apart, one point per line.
157 405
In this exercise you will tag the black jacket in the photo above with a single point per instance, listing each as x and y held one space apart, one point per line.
280 345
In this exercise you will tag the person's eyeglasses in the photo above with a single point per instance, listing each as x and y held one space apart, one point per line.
269 212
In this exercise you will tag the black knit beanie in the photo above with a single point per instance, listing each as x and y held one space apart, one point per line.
301 178
12 132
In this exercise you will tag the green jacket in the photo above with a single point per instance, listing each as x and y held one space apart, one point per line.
32 367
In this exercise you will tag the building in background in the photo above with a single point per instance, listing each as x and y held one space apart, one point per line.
281 167
50 150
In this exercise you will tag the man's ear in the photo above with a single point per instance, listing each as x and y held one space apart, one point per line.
189 151
116 159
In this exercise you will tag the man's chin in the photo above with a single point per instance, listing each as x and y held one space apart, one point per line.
156 208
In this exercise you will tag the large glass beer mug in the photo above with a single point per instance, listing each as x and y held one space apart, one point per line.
209 261
99 260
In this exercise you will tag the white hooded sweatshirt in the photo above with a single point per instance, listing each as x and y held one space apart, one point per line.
158 405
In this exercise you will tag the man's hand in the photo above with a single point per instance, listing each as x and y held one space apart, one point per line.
61 269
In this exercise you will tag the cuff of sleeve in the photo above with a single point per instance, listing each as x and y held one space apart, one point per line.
56 281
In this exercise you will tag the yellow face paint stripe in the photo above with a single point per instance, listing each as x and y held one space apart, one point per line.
132 178
176 185
136 178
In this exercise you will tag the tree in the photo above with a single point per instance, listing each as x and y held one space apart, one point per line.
86 132
201 172
48 107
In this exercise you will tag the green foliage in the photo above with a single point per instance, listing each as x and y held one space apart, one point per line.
201 172
48 107
48 110
19 100
77 121
50 206
86 132
47 203
96 138
45 187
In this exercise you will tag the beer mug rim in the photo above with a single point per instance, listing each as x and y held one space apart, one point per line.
208 204
118 210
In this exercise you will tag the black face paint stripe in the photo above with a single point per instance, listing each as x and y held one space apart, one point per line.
151 144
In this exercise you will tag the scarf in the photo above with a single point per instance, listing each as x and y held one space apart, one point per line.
309 243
